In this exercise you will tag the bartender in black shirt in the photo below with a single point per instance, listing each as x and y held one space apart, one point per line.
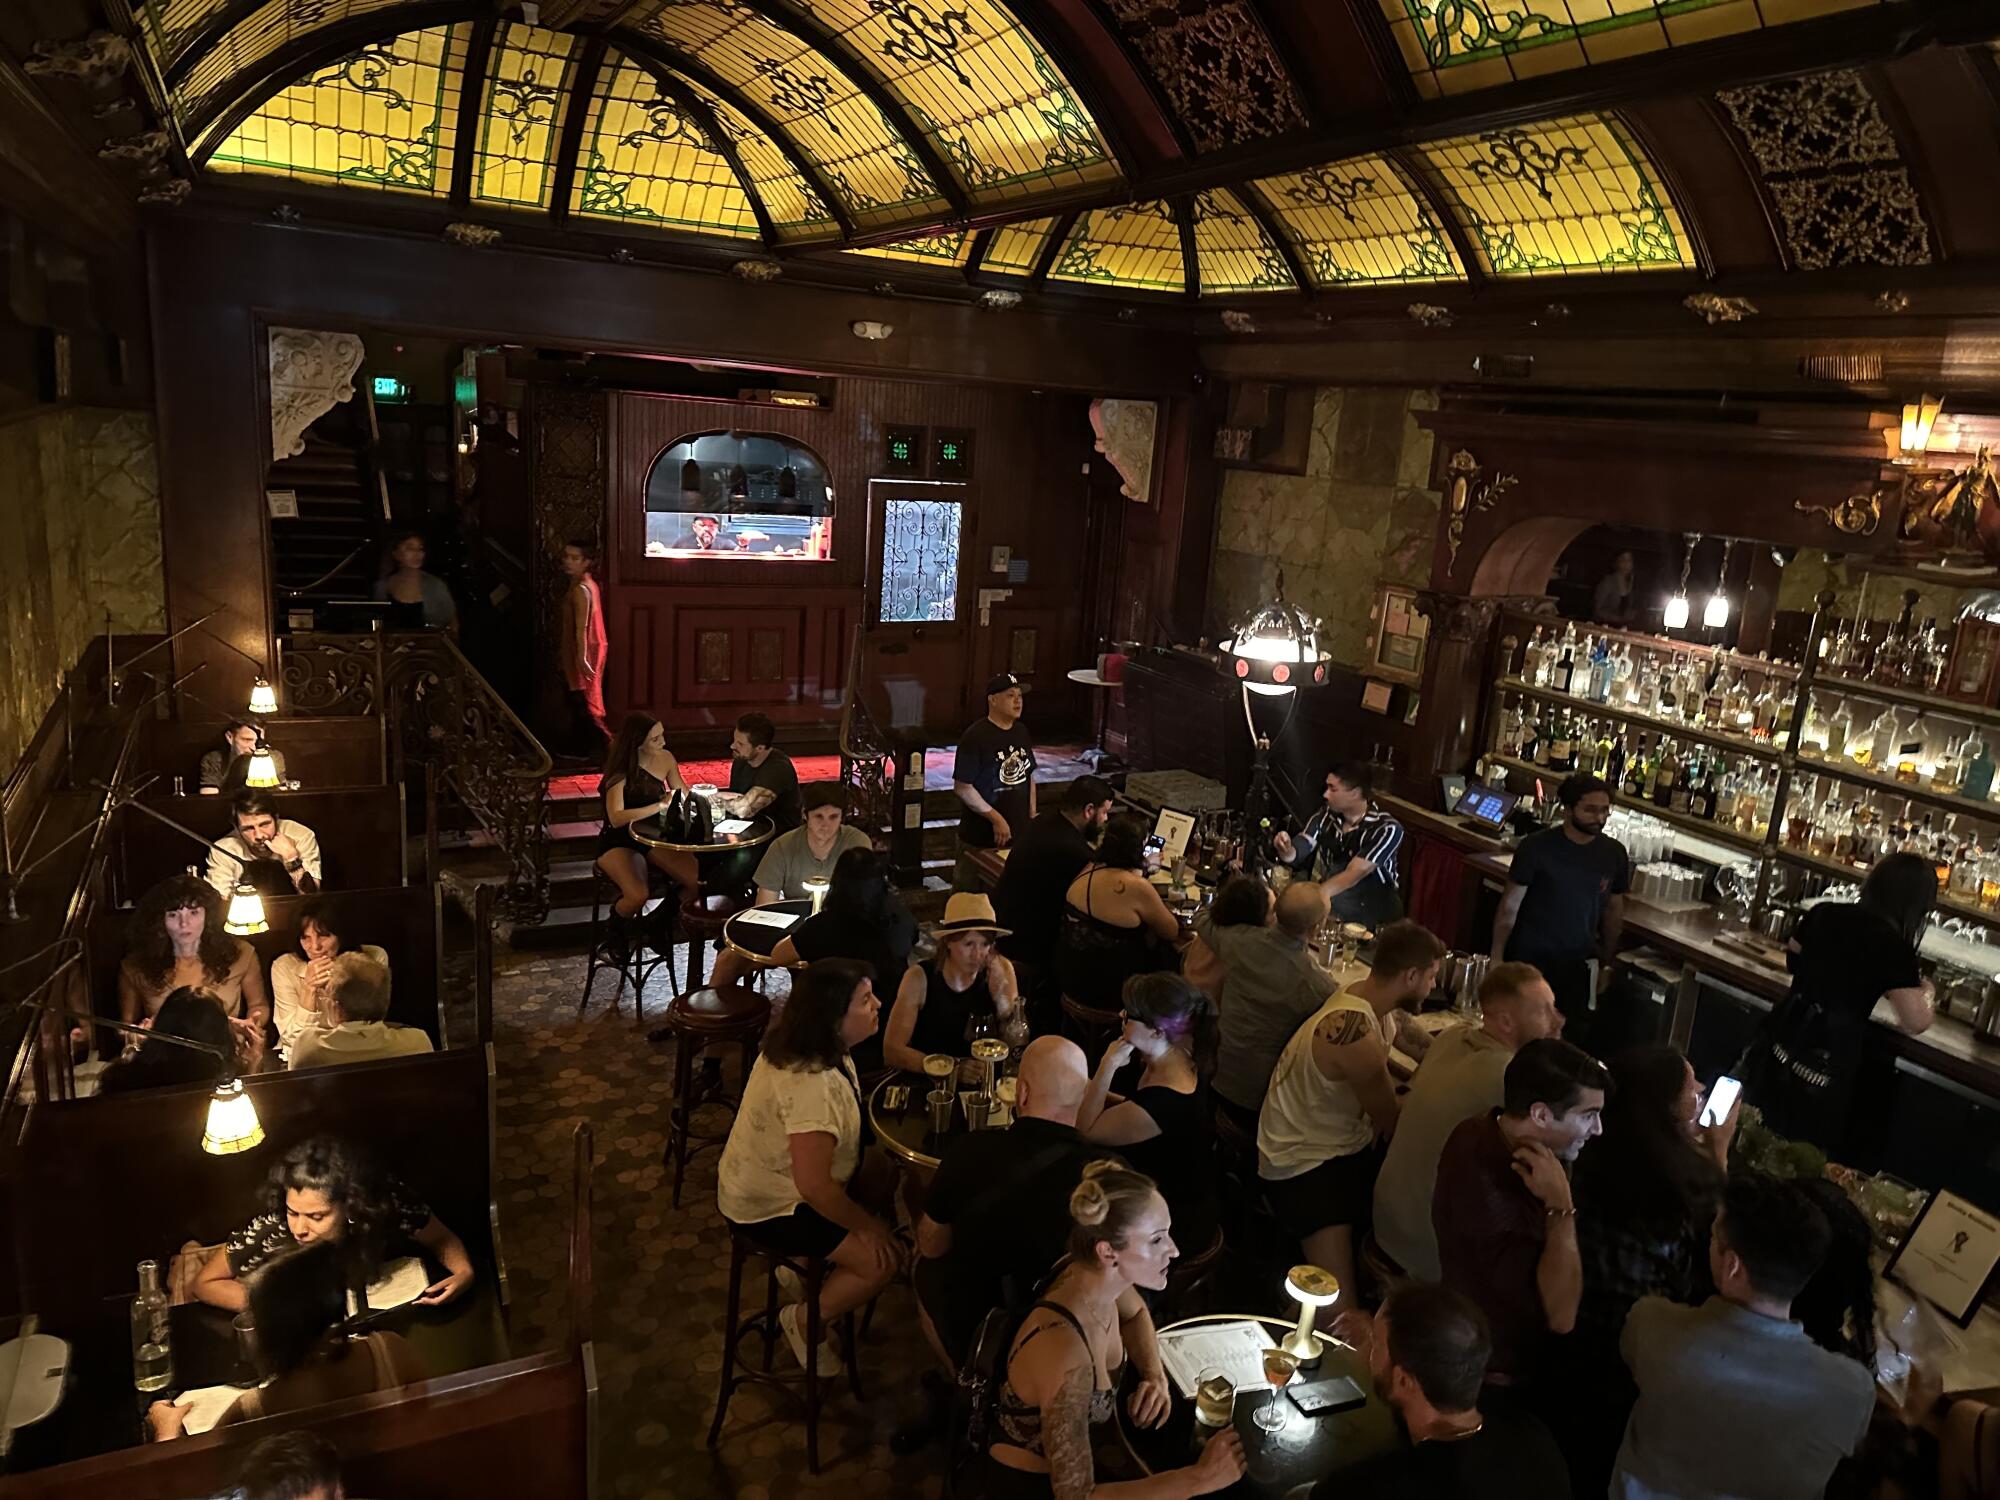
994 776
762 778
1049 853
1565 901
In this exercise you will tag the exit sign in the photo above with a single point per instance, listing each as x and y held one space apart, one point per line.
903 450
951 454
389 388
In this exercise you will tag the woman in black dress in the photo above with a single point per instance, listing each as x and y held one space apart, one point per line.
1115 923
1163 1128
1801 1070
640 772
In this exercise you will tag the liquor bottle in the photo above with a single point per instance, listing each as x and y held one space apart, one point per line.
1739 710
1579 682
1545 733
152 1333
1531 736
1603 668
1978 761
1714 710
1663 783
1701 790
1669 698
1646 687
1819 843
1561 674
1562 754
1531 658
1632 785
1509 645
1787 698
1614 765
1681 799
1623 677
1600 765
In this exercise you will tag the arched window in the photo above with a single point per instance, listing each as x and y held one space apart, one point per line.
744 494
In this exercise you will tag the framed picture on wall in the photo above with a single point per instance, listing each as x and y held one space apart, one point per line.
1396 646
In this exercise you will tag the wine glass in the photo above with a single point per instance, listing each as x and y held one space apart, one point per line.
1279 1367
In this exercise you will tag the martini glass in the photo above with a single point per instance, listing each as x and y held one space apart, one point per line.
1279 1367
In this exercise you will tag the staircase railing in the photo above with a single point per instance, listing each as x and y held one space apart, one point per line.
867 758
444 715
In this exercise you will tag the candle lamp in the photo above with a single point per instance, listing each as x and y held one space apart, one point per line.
816 887
1312 1288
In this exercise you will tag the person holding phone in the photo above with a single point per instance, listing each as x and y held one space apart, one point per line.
1427 1348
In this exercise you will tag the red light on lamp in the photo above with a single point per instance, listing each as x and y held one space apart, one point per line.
1281 673
1319 674
1242 667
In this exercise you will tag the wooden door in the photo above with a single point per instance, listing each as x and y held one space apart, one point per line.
919 608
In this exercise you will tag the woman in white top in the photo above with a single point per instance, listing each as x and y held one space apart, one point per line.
793 1155
300 985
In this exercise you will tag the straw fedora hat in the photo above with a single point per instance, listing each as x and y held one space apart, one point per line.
967 911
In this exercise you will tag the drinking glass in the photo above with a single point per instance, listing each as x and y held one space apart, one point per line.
1214 1399
1279 1367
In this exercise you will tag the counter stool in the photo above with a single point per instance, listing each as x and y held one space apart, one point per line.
698 1020
737 1368
1189 1277
1090 1028
702 917
622 944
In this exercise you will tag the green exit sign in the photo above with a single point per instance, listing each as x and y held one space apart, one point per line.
951 454
389 388
899 450
903 450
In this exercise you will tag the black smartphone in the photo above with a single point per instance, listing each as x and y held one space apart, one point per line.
1322 1398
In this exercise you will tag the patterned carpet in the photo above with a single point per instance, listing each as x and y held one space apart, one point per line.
661 1273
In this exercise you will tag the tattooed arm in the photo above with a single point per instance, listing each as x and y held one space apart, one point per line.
1072 1470
1347 1047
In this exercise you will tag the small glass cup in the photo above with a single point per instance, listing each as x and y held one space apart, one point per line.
1214 1400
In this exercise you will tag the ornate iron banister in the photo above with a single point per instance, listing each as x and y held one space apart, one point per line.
867 757
443 713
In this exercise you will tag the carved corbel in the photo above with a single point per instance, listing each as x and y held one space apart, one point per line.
1857 515
1460 618
311 373
98 60
1467 492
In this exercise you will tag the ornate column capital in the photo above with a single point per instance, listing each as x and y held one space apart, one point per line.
311 373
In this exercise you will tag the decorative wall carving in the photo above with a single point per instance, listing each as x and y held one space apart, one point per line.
311 373
1217 66
1833 170
1126 432
1466 493
97 60
1857 515
1712 308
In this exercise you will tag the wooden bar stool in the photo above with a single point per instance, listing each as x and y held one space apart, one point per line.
698 1020
624 945
702 917
1090 1028
737 1369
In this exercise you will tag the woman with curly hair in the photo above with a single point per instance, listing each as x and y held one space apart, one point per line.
178 943
323 1190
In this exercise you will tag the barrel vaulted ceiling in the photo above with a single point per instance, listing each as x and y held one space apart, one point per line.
1226 149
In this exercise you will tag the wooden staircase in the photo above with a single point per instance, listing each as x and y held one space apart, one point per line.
328 551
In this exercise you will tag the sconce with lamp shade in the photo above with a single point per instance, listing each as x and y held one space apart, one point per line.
263 699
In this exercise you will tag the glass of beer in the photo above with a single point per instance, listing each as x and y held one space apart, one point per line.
1006 1090
1279 1367
938 1066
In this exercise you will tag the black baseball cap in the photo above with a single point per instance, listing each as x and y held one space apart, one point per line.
1006 682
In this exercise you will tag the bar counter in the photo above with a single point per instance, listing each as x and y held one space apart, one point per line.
1950 1049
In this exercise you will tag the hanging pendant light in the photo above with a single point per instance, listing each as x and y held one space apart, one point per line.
690 476
246 912
262 770
1676 615
1716 614
263 697
233 1125
1276 649
788 483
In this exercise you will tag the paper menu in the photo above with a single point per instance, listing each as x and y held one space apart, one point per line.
758 917
206 1405
732 825
401 1281
1235 1348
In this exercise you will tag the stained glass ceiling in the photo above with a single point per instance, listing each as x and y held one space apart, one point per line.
798 124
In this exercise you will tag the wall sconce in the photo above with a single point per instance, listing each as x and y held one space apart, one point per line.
1919 420
246 911
864 328
1675 616
1716 614
233 1125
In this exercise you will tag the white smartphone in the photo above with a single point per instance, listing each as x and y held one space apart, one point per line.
1721 1100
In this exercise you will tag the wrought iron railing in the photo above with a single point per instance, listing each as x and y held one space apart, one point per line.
442 714
867 758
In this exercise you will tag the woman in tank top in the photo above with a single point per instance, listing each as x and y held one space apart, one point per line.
1114 923
639 774
969 981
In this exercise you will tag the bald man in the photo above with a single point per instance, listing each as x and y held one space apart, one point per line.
998 1213
1274 984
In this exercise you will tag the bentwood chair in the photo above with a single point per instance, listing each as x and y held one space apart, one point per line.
628 946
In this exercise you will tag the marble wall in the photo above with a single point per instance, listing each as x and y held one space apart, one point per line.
1812 570
1360 515
79 534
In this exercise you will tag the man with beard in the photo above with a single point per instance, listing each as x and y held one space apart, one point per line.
1506 1226
1427 1349
272 853
762 778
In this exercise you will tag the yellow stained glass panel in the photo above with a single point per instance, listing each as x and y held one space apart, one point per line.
1232 251
798 213
986 95
1562 196
205 88
1357 222
863 159
384 117
1135 245
948 249
1015 248
1457 46
647 160
527 87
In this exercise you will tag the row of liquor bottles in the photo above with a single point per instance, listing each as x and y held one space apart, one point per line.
1698 688
1896 653
1851 830
1726 789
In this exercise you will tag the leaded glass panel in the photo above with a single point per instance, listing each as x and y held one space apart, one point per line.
919 560
798 213
204 89
527 83
1134 245
946 249
1015 248
645 159
1232 251
1357 222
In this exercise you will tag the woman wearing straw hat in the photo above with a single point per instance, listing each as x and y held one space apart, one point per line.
968 980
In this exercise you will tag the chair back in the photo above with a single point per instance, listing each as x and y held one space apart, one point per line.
975 1393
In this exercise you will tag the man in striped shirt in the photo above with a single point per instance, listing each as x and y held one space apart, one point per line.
1352 848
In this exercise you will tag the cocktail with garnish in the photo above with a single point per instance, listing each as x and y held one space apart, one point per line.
1279 1367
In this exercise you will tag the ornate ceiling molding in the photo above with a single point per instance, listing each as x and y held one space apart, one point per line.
1217 67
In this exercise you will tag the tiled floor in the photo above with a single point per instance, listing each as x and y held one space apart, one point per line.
660 1273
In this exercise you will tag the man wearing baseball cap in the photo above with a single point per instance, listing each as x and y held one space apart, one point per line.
994 776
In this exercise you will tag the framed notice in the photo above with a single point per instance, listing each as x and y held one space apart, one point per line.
1950 1256
1396 650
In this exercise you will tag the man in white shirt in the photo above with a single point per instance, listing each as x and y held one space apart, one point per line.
276 855
1462 1075
362 1032
1331 1096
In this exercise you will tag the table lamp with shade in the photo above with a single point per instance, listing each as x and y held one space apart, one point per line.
245 917
1312 1288
816 887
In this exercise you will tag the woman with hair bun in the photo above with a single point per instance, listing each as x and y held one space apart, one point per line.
1064 1367
1163 1128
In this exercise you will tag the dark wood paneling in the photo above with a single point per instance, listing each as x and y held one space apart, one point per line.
360 832
341 751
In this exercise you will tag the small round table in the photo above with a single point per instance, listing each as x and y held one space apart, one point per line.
906 1134
756 940
1303 1452
1089 677
648 832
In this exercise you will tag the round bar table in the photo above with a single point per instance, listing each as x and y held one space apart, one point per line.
648 832
1303 1452
906 1134
1101 688
756 940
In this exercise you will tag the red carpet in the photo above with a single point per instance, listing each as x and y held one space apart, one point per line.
809 767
